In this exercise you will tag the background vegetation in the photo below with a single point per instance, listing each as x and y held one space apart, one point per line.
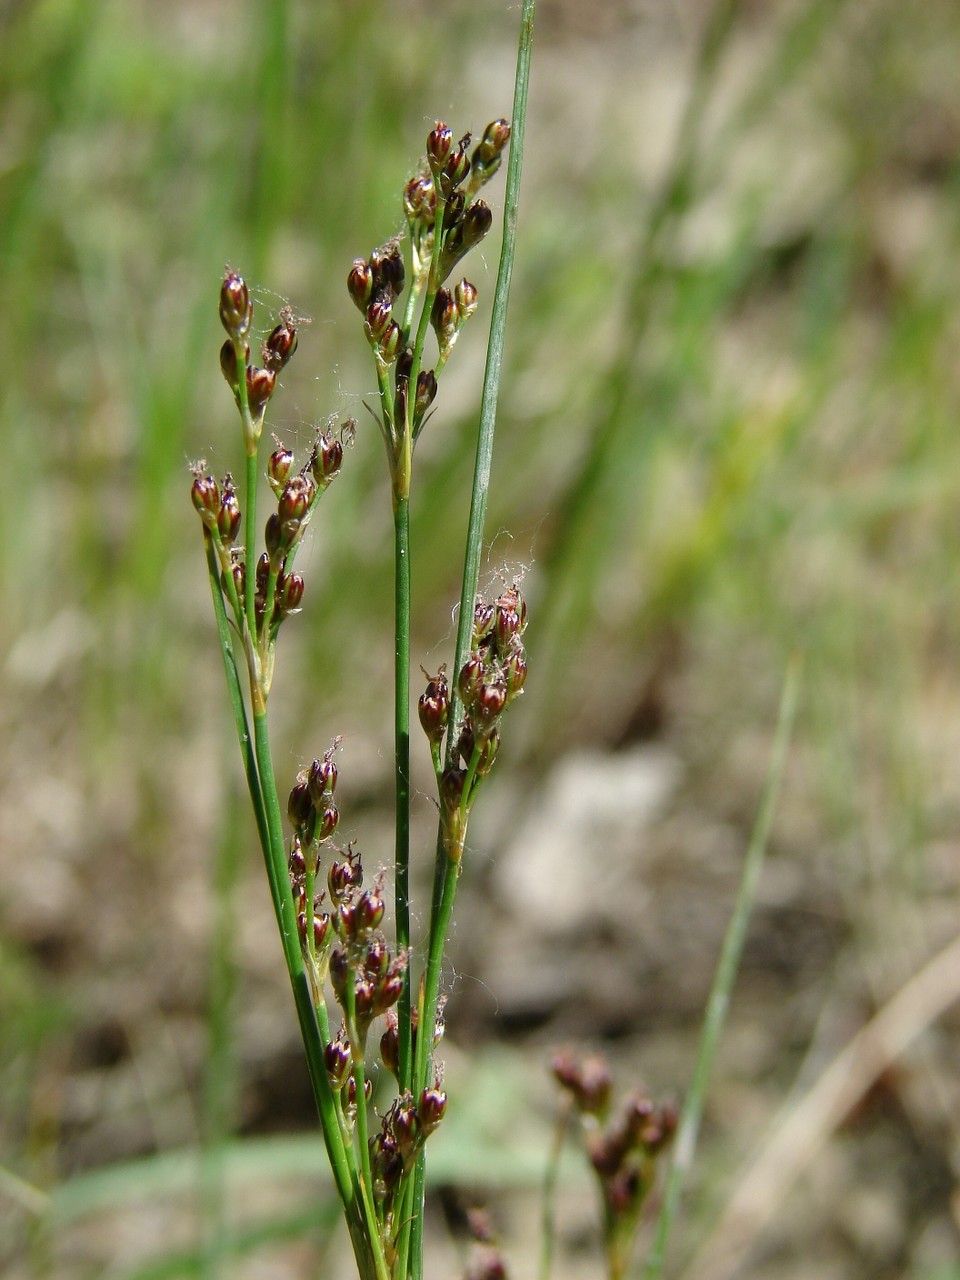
729 430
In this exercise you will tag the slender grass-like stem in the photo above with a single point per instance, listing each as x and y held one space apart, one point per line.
250 550
236 695
548 1221
363 1142
725 976
445 875
401 518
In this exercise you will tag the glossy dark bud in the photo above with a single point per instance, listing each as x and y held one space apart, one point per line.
205 495
339 971
236 309
444 317
279 466
295 499
297 863
273 535
228 363
420 201
261 384
379 316
439 146
327 819
342 876
239 578
388 269
457 165
495 138
467 298
336 1056
290 592
489 746
453 209
390 342
390 1045
434 706
327 458
471 678
262 572
515 670
360 283
426 392
388 993
300 811
483 614
280 346
477 221
352 1090
323 779
431 1108
228 518
370 908
490 701
451 787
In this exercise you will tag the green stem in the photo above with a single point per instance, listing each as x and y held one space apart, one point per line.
445 876
402 770
290 941
250 535
363 1141
548 1220
725 974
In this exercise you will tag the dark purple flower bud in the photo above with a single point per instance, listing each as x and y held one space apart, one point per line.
390 1045
431 1108
228 363
344 875
337 1058
300 811
205 493
273 535
370 908
389 991
388 268
495 138
323 779
239 576
328 818
236 309
390 342
434 706
379 316
279 466
426 392
339 971
405 1126
457 165
228 519
352 1090
451 787
420 201
290 592
360 283
297 862
467 299
439 146
471 678
280 345
453 209
515 670
261 384
482 621
327 458
295 499
262 572
444 318
490 700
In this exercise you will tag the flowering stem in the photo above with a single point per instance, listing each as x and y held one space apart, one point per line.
402 767
445 874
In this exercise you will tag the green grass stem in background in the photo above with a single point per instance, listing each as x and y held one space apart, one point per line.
726 972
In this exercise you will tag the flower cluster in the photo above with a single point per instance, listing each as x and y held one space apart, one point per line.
404 1129
492 676
623 1145
444 222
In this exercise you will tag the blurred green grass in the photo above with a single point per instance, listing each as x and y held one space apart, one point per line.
728 427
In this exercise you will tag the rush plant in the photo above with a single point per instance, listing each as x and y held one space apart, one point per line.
366 1001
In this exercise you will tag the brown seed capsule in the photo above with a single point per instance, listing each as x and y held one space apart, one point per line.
420 201
296 498
228 517
327 820
322 779
370 909
327 458
490 701
297 862
228 363
471 678
388 269
434 706
482 621
261 384
300 811
273 535
280 346
390 1045
236 309
457 165
290 592
451 787
467 298
360 283
444 317
426 392
279 466
439 146
431 1109
390 342
515 670
495 138
379 315
205 494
